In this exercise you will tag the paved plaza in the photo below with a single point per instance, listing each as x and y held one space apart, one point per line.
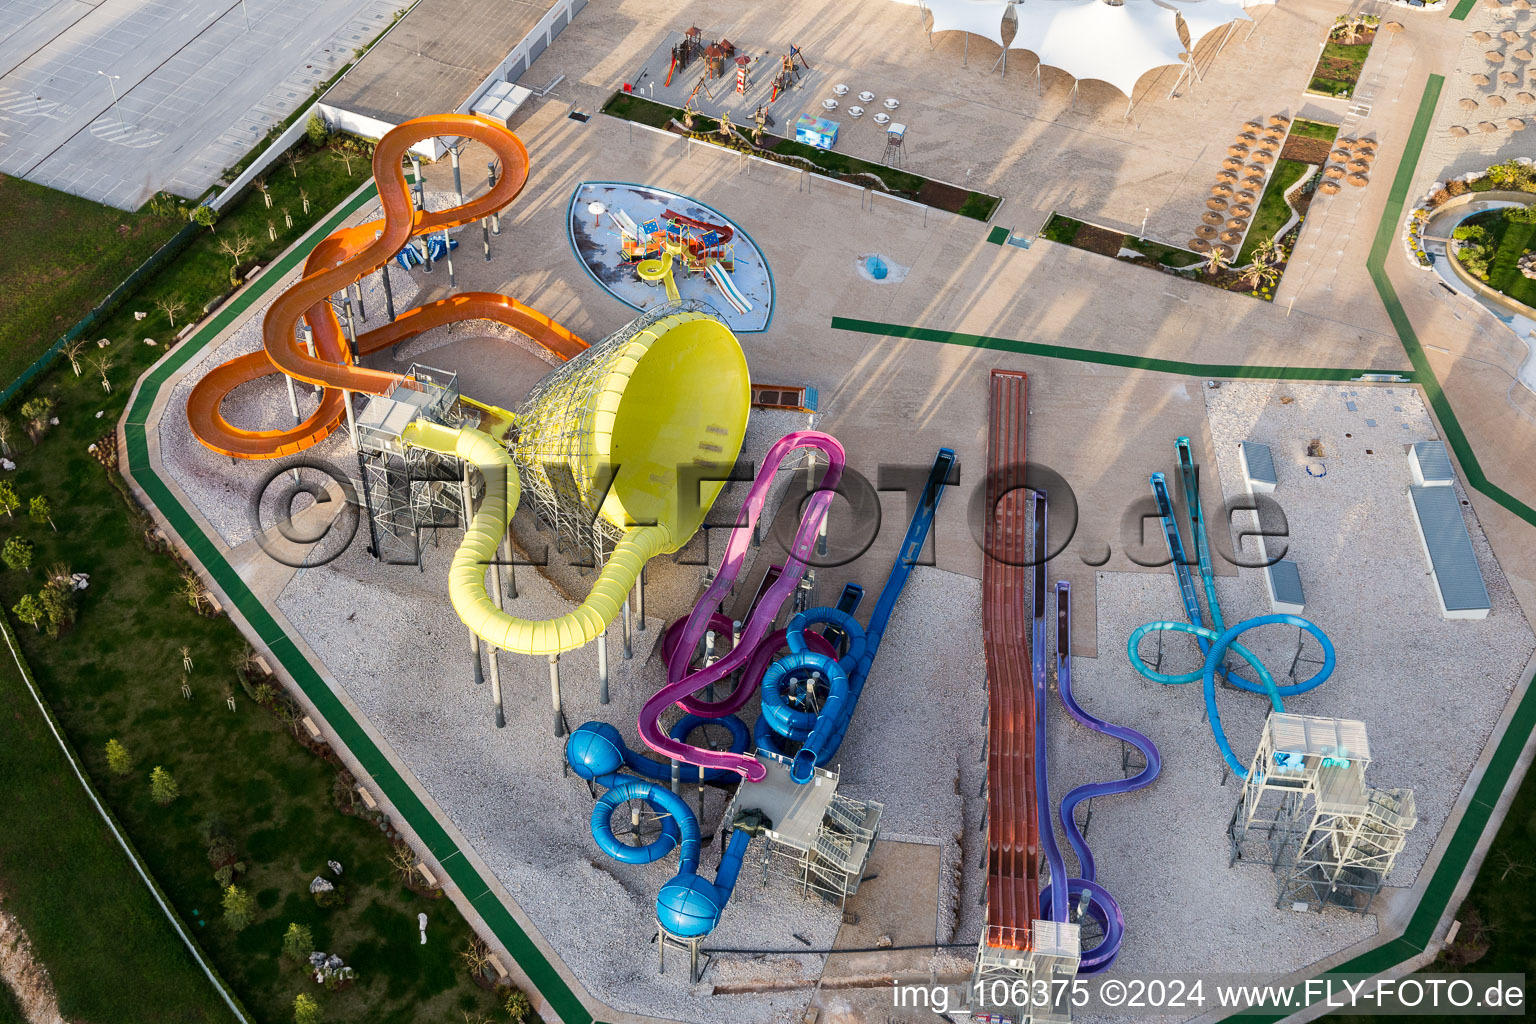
199 83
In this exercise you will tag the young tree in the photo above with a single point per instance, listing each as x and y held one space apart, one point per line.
40 510
239 907
30 610
305 1009
102 364
171 306
118 761
298 943
162 787
237 248
192 589
8 499
345 156
207 216
17 553
291 158
59 605
265 190
73 351
476 956
304 196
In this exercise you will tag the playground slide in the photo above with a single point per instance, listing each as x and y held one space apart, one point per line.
345 256
725 231
1052 897
597 752
822 733
683 684
728 288
659 270
1093 898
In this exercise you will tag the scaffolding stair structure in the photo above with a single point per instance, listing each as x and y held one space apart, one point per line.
1307 813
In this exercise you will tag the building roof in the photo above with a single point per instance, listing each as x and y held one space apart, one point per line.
1450 549
435 57
1434 463
1091 39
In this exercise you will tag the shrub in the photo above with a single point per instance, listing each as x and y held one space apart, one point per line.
1474 233
329 899
305 1009
118 761
298 943
317 131
17 553
226 874
1456 187
162 786
1521 214
1438 197
518 1008
239 906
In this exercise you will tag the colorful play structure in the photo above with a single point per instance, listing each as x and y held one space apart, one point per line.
656 249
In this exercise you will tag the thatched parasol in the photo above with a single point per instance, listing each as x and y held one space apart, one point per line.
1257 168
1515 124
1358 180
1237 224
1359 166
1222 190
1212 217
1253 183
1341 154
1233 163
1509 35
1199 245
1481 36
1216 203
1206 231
1497 101
1229 177
1509 78
1333 171
1241 210
1264 155
1223 249
1467 103
1247 195
1458 131
1237 149
1328 188
1231 237
1526 97
1279 120
1480 79
1521 54
1494 57
1487 127
1247 136
1521 5
1393 26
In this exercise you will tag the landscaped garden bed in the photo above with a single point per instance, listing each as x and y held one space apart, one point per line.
1273 210
939 195
1309 142
198 753
1492 249
1338 67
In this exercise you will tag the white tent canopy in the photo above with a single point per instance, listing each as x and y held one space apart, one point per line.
1091 39
978 17
1202 17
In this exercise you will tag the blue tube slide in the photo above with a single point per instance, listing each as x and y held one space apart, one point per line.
689 905
1092 899
597 752
1218 646
822 743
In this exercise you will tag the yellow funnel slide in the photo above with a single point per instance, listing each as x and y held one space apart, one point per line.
674 394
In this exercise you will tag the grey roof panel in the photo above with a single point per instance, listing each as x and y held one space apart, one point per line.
1434 463
1450 548
1261 464
1285 582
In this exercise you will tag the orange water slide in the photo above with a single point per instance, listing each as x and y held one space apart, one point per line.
345 256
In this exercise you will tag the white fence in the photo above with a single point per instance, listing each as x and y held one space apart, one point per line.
526 52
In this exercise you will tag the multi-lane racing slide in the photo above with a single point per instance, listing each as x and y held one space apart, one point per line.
346 256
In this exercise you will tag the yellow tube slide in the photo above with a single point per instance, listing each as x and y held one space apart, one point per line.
660 270
466 575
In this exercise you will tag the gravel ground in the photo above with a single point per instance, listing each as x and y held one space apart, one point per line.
537 842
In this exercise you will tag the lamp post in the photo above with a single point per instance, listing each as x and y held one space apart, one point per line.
111 79
1147 212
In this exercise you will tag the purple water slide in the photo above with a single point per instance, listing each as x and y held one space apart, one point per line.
681 684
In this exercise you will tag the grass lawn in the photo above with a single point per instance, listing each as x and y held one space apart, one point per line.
1338 68
10 1010
1060 229
69 253
117 674
1314 129
1273 211
1499 914
1167 255
1510 242
75 893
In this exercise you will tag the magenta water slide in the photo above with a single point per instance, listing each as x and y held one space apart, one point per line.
682 684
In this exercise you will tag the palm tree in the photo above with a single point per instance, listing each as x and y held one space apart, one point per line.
1217 260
